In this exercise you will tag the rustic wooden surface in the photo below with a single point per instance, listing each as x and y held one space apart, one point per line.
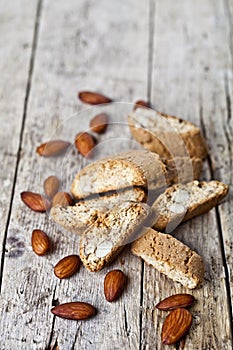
180 55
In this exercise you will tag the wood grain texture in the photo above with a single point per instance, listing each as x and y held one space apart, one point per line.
80 46
17 22
180 54
190 59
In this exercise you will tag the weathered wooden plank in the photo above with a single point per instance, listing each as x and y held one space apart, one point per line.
225 124
17 23
190 60
98 46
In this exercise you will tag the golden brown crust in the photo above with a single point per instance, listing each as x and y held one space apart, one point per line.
78 217
106 237
182 170
147 134
199 197
133 168
170 257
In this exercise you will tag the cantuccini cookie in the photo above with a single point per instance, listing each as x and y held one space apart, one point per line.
170 257
133 168
182 202
167 135
78 217
108 235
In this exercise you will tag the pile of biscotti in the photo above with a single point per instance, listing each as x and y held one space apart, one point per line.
141 196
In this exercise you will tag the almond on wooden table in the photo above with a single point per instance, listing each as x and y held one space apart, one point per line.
176 301
85 143
35 201
76 310
51 186
99 123
141 103
176 325
114 284
93 98
52 148
40 242
67 266
62 198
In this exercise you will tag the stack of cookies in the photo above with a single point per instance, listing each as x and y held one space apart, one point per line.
141 196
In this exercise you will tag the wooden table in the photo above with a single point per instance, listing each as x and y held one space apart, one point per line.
179 55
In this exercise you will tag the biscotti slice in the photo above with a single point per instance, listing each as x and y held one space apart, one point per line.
182 169
170 257
166 135
182 202
78 217
106 237
132 168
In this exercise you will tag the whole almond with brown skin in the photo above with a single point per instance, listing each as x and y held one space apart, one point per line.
52 148
114 283
51 186
40 242
35 201
176 325
85 143
93 98
67 266
76 310
62 198
99 123
141 103
175 301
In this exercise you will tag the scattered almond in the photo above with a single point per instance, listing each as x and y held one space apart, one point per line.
40 242
85 143
141 103
93 98
62 198
74 311
176 325
51 186
99 123
52 148
175 301
114 284
35 201
67 266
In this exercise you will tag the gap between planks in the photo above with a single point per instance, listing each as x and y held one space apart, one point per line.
151 28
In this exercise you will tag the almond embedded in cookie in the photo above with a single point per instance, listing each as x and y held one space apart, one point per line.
182 202
78 217
106 237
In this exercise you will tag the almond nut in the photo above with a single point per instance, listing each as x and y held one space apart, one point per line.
93 98
141 103
114 283
175 301
62 198
40 242
104 248
85 143
176 325
67 266
51 186
76 310
52 148
35 201
99 123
